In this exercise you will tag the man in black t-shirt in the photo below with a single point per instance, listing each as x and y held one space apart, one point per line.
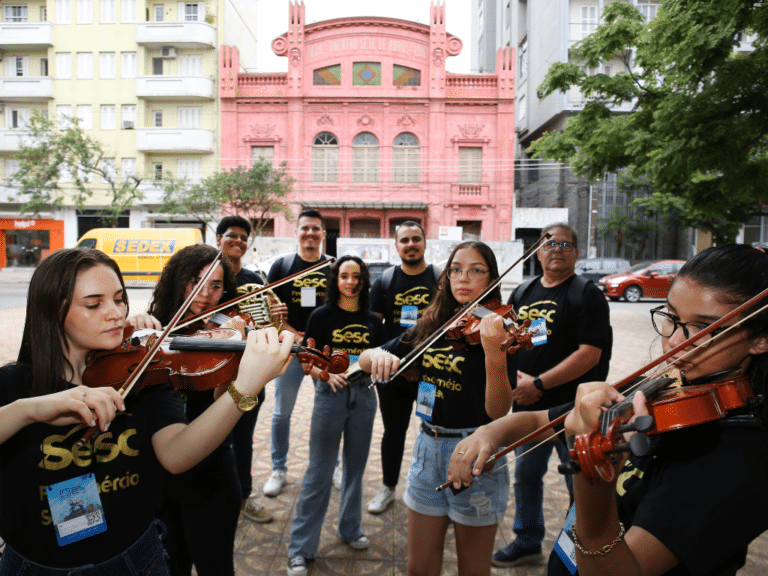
301 296
400 296
549 374
232 238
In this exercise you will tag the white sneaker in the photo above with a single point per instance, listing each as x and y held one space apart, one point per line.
361 543
297 566
274 484
337 475
381 501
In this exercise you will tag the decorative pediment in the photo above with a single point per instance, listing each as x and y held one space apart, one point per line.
366 120
471 131
405 121
262 132
325 119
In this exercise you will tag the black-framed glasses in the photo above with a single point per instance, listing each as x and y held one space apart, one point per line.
474 274
565 246
665 325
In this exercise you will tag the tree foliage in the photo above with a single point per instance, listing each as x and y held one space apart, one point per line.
257 193
698 129
51 153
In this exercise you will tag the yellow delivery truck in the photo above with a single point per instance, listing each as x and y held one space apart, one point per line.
140 253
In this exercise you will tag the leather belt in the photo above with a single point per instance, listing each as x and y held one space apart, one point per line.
438 433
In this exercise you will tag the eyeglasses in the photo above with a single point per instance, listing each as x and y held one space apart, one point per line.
665 325
210 287
232 236
474 274
564 246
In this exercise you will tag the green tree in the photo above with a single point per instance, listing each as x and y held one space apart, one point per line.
256 193
698 129
52 152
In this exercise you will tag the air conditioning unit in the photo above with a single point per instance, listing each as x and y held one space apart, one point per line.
127 124
168 52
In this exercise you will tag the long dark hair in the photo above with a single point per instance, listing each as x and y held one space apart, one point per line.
444 305
184 266
44 342
737 272
332 292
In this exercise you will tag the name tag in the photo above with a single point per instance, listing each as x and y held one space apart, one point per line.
308 296
564 546
408 316
425 401
540 328
76 509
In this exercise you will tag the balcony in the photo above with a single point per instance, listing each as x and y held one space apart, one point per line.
27 35
26 89
470 193
185 140
179 34
11 140
175 87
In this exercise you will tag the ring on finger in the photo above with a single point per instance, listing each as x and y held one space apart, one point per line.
461 453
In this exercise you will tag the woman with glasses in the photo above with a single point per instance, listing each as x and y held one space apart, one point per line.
458 390
201 506
696 500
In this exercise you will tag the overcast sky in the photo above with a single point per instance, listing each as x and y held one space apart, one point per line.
272 21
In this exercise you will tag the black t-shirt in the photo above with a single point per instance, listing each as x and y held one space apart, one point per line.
404 290
125 467
248 277
702 491
459 376
566 331
290 293
350 332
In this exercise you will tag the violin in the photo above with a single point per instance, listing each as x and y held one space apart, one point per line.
466 330
203 361
671 406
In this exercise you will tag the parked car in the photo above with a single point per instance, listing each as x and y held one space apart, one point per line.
596 268
647 279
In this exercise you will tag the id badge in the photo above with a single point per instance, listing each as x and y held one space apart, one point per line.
564 546
425 401
76 509
540 337
408 316
308 296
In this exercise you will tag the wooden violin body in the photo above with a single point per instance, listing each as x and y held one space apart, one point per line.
466 330
595 454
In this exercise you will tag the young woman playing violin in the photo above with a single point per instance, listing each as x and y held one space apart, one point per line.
341 409
90 509
459 390
201 506
700 496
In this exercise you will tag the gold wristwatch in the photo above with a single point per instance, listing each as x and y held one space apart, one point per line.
244 403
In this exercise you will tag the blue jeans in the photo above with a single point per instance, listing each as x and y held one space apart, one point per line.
529 491
349 412
286 390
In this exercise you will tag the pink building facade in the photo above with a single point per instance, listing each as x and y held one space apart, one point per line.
373 128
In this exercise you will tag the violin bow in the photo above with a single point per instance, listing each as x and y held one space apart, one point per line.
242 297
128 385
466 309
626 380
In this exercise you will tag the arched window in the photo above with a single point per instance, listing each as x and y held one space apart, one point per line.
406 159
325 158
365 158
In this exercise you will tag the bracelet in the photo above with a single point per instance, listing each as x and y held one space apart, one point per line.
605 550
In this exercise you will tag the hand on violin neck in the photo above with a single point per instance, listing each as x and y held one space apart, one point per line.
493 337
266 356
144 320
592 399
236 323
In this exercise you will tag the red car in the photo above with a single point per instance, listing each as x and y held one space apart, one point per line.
647 279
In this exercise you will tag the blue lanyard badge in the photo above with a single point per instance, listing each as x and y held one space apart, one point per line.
540 335
425 401
408 316
76 509
564 546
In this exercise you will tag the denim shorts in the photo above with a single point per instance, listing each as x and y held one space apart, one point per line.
482 504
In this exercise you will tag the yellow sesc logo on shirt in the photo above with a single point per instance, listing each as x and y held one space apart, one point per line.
442 359
546 309
351 334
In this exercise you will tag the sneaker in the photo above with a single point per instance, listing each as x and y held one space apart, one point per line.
297 566
381 501
337 475
274 484
361 543
513 556
255 511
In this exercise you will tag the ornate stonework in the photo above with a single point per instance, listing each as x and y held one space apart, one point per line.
406 120
471 130
437 57
325 119
366 120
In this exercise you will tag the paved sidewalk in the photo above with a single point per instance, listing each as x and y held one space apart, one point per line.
261 549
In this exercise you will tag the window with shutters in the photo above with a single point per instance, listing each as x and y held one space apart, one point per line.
470 165
365 158
325 158
406 159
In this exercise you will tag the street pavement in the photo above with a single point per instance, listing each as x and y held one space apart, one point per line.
261 549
